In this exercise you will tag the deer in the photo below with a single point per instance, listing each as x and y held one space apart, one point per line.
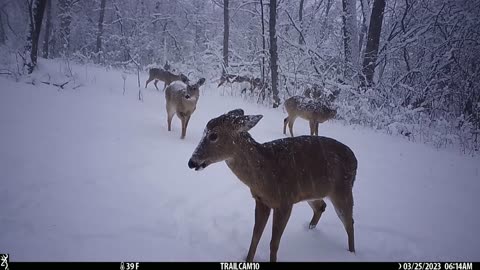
181 99
313 92
230 78
318 92
281 173
166 76
314 111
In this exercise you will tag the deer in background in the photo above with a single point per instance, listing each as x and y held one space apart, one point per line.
318 92
181 99
281 173
167 77
313 92
314 111
230 78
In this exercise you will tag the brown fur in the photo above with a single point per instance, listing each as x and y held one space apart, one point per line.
165 76
255 83
281 173
313 111
181 99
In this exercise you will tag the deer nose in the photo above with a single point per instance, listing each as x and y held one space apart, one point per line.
192 164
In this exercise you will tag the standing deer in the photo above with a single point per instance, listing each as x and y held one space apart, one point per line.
312 110
181 99
318 92
165 76
313 92
253 82
281 173
230 78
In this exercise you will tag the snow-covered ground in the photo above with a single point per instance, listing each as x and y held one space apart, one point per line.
90 174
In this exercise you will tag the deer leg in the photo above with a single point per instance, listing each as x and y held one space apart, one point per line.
187 119
316 128
184 126
285 122
170 114
280 220
291 121
312 127
148 81
343 204
262 212
164 86
318 207
155 83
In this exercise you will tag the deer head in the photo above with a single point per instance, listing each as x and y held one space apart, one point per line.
194 89
218 137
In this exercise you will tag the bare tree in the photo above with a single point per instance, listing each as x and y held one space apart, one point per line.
3 36
373 41
300 19
327 11
364 28
350 37
262 17
100 30
199 25
226 33
35 12
48 30
273 52
65 15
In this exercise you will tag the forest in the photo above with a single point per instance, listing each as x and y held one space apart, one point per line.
97 163
405 67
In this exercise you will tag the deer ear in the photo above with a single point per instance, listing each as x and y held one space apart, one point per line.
246 122
237 112
201 81
184 78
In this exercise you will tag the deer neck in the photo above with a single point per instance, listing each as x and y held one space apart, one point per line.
247 161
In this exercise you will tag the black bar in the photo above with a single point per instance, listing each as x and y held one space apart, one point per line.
246 266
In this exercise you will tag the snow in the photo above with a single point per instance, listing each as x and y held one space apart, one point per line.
90 174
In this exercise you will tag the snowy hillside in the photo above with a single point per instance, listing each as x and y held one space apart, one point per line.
92 174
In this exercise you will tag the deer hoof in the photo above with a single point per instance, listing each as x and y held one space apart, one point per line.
312 226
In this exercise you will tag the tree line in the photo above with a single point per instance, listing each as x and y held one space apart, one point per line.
410 58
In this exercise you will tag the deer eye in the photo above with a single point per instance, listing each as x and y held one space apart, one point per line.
213 137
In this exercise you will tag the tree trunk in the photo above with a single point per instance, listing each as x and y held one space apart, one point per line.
100 30
350 37
165 47
273 52
226 33
263 44
35 10
52 52
3 36
327 11
364 28
65 15
373 40
300 19
48 30
198 26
